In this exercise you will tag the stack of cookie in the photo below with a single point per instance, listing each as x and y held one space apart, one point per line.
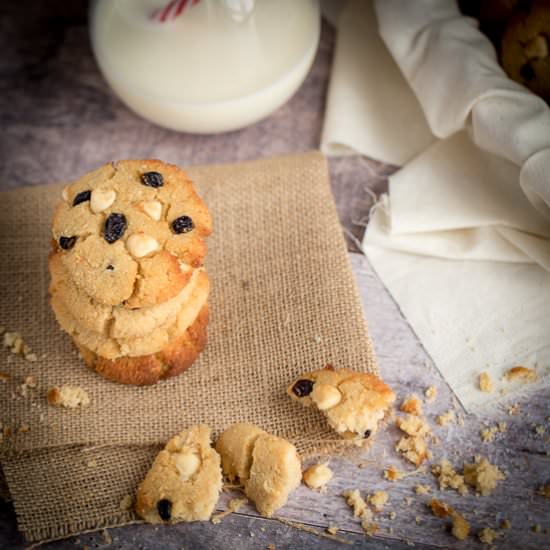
127 281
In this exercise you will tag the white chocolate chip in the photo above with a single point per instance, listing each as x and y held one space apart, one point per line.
187 463
140 245
153 209
65 194
325 396
101 199
317 476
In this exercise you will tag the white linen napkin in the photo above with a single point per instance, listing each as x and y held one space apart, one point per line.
462 241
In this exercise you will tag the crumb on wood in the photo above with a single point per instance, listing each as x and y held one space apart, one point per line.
505 524
233 506
521 373
513 409
536 528
488 434
539 429
68 396
430 393
485 382
482 475
448 477
413 425
391 473
378 500
544 491
360 510
487 535
414 449
107 539
412 405
446 418
422 489
460 527
333 529
317 476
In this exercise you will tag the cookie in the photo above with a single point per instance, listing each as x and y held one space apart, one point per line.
108 346
267 466
184 482
354 403
124 230
174 359
525 48
115 321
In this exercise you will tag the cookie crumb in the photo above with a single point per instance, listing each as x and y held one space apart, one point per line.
360 510
391 473
544 491
126 503
414 449
418 520
413 425
317 476
333 529
4 376
487 535
482 475
392 515
412 405
446 418
91 463
422 489
485 382
536 528
520 373
430 393
107 539
539 429
68 396
460 527
488 434
24 428
378 500
505 524
448 477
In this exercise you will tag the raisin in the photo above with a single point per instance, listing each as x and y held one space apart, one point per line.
303 388
152 179
83 196
164 508
114 228
66 243
183 224
366 435
526 72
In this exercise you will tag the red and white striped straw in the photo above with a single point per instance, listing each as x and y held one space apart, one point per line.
172 10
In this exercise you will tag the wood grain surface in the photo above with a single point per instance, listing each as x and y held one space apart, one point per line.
60 119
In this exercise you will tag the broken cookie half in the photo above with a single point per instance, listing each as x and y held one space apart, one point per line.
354 403
267 466
184 482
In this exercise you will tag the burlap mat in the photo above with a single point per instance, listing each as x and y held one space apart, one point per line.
283 301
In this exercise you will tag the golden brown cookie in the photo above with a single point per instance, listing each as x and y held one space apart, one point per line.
525 48
184 482
123 231
175 358
267 466
354 403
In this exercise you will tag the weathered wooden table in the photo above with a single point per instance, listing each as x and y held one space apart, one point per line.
59 119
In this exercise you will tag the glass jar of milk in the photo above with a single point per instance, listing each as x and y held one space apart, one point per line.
207 65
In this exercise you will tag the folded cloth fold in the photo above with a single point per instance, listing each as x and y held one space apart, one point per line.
462 241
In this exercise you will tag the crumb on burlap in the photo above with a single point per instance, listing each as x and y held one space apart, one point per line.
14 341
68 396
430 393
412 405
513 409
4 376
482 475
378 500
422 489
487 535
460 527
485 382
544 491
126 503
446 418
360 510
24 428
448 477
92 463
524 374
233 506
